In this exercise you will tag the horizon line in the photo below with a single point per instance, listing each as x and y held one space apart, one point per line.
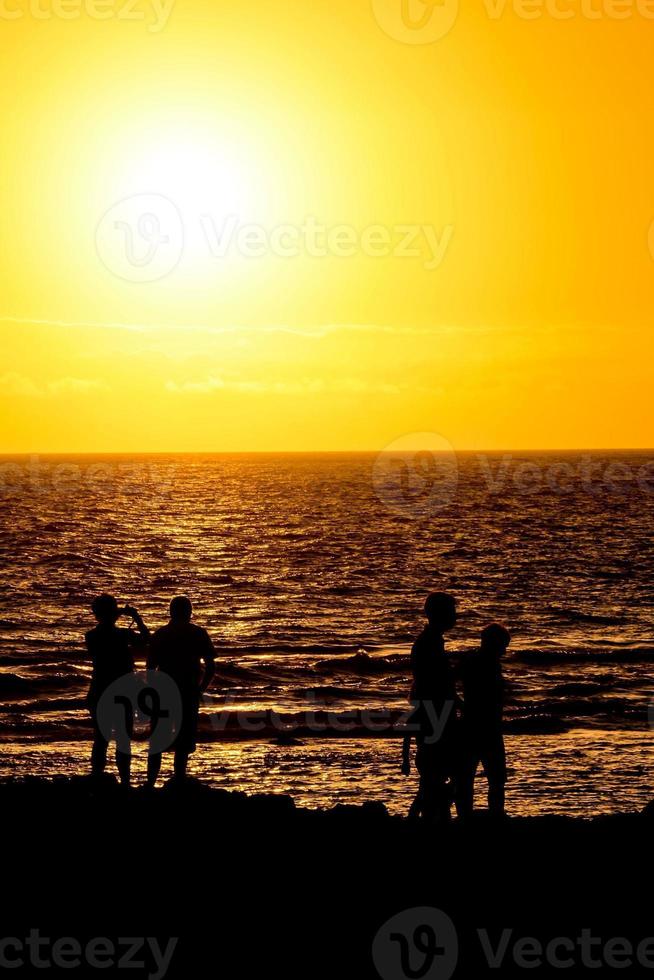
317 452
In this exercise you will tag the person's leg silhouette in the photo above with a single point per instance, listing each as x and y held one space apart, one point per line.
434 792
494 763
99 754
465 779
496 798
181 762
154 767
124 766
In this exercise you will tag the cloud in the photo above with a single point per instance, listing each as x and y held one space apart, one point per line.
27 321
15 385
18 386
208 385
307 386
75 386
316 331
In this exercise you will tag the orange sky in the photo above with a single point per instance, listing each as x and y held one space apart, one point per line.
318 226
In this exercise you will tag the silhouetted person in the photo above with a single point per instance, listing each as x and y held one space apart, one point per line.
434 715
416 807
483 704
111 650
185 652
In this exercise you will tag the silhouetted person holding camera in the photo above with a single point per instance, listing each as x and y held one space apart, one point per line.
483 704
434 714
185 652
111 649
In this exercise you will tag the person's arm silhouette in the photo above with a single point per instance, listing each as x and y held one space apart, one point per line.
141 636
208 657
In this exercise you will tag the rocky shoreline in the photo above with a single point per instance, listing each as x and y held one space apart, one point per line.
262 885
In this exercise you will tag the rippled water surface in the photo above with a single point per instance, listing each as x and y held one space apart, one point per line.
309 572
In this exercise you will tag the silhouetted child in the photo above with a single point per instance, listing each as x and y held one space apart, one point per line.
483 704
111 653
433 719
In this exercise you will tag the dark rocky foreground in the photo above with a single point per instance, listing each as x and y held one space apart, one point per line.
252 886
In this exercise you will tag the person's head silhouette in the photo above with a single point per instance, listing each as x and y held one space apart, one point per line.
440 610
495 639
105 609
181 609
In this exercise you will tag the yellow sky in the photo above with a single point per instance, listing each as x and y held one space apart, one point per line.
268 226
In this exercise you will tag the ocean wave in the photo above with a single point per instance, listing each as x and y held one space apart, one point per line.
43 706
20 660
13 685
362 663
163 582
331 693
576 688
291 648
62 558
574 707
585 655
578 616
230 724
461 552
537 724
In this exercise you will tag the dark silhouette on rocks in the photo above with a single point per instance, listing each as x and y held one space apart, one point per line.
434 715
111 649
481 732
185 652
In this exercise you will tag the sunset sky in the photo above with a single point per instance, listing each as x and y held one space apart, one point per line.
274 161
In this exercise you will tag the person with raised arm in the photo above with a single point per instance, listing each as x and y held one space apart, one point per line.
111 649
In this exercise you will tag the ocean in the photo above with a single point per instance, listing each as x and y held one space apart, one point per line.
310 572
